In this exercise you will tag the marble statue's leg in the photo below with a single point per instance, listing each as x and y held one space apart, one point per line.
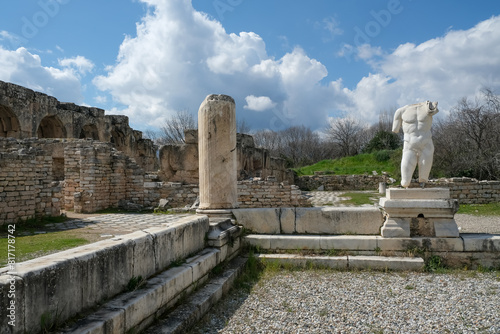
425 163
408 164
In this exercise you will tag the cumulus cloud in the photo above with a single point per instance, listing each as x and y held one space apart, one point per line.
79 63
180 55
259 103
445 69
24 68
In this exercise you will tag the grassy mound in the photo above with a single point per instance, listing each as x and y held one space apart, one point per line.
381 161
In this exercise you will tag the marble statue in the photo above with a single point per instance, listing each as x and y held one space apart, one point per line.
416 120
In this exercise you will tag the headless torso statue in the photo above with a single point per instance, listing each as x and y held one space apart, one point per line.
416 120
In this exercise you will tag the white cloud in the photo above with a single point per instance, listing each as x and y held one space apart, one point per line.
24 68
443 69
179 56
331 25
79 63
259 103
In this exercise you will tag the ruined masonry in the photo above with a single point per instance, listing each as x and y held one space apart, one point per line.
59 156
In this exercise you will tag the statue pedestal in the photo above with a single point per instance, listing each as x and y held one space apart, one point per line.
419 213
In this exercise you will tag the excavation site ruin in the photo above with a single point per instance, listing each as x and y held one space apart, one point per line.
218 200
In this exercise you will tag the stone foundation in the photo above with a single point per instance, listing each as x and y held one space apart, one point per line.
179 162
340 182
27 189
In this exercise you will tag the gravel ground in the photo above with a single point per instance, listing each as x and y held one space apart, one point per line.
478 224
360 302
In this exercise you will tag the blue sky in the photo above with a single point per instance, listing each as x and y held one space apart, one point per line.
286 62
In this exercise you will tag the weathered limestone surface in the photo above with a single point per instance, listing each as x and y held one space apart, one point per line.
330 182
27 185
319 220
25 113
179 162
419 212
76 280
217 153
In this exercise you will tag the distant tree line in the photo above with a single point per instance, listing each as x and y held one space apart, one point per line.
467 142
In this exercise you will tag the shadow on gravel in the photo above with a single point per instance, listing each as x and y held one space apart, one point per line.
217 318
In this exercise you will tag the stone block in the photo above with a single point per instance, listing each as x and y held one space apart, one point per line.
336 262
287 220
446 228
105 320
144 262
190 233
12 286
338 220
295 242
72 280
396 228
386 263
351 243
260 220
442 244
398 244
481 242
201 264
258 241
426 194
173 282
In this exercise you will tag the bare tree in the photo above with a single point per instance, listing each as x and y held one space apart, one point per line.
348 135
270 140
468 142
242 126
298 144
172 132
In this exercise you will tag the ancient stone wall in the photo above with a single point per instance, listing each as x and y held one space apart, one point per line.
179 162
466 190
251 194
266 194
340 182
470 191
99 177
25 113
27 189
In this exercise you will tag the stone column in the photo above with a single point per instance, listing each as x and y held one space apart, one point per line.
217 155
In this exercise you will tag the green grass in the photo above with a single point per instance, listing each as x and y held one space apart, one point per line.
492 209
360 198
33 246
356 165
31 225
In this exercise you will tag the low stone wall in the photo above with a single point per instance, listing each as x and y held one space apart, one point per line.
268 194
97 177
27 189
177 194
251 194
320 220
340 182
60 286
470 191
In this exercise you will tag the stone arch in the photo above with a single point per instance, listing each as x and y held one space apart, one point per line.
51 127
118 139
9 124
89 131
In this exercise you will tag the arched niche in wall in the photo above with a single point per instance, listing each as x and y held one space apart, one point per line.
51 127
118 139
89 131
9 124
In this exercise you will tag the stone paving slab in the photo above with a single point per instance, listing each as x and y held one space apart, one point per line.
117 224
327 198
